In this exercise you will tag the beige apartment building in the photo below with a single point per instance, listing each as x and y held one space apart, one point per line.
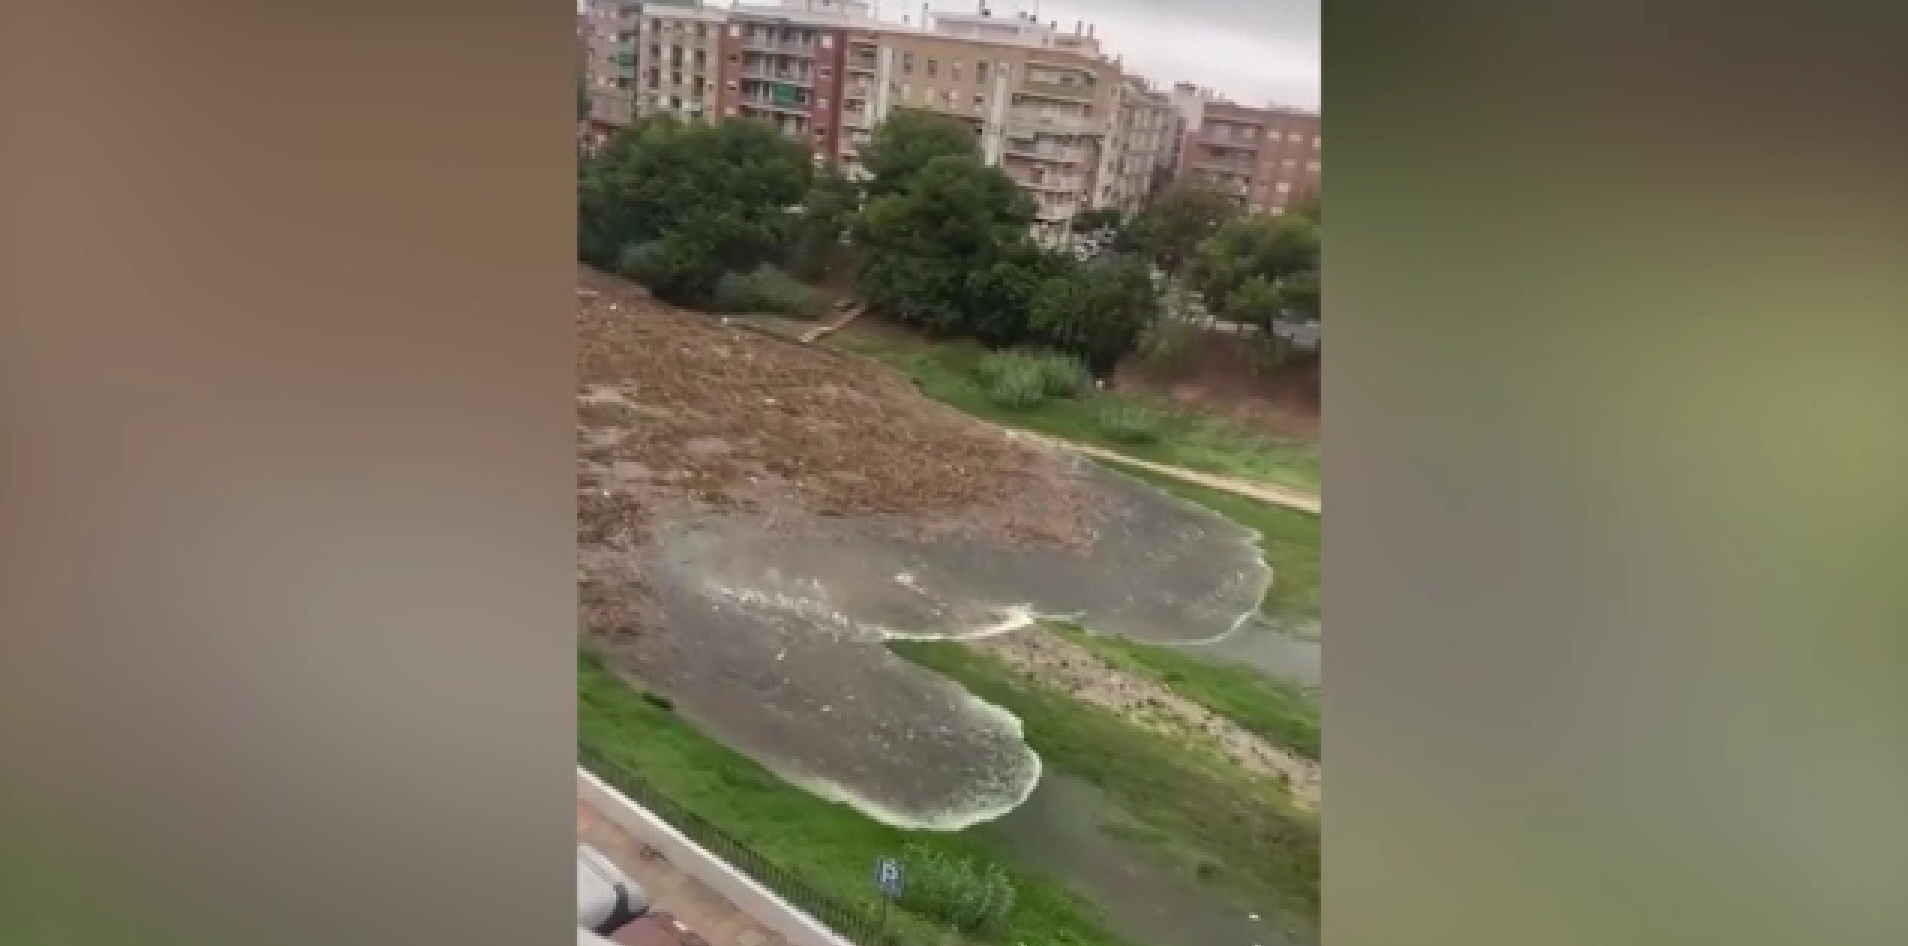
679 61
1046 104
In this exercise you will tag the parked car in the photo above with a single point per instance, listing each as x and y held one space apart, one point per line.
606 900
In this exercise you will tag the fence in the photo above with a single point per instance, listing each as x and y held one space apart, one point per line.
861 923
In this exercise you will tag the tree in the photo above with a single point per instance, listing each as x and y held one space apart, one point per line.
953 221
1095 310
678 205
1170 231
904 144
1099 218
1243 268
828 214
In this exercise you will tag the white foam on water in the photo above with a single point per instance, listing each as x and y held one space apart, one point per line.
978 810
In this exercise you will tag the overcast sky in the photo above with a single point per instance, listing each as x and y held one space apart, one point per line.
1257 52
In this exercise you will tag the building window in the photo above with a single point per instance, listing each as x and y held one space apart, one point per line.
655 51
675 103
655 25
1315 142
933 67
907 63
980 71
954 70
698 87
980 102
826 72
731 86
655 78
675 78
828 41
1282 187
735 31
702 31
729 111
702 59
1311 167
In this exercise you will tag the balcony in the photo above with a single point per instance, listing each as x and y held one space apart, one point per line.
771 103
860 63
772 74
1025 124
759 44
1035 151
1071 91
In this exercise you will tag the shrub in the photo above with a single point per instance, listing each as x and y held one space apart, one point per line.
767 289
977 900
1130 423
1062 375
1015 384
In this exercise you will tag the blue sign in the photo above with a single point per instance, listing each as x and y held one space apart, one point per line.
888 876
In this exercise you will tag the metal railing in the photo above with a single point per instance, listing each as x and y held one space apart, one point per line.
863 923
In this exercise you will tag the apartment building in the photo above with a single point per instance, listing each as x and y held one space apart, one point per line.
1268 158
785 65
609 66
1140 144
679 61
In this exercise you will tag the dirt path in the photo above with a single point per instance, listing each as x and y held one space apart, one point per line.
1263 492
1086 677
699 908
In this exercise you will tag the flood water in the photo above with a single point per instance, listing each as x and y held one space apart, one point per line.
1069 828
775 636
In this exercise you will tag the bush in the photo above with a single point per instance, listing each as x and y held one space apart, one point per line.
976 900
1130 423
1016 384
1063 375
767 289
1060 375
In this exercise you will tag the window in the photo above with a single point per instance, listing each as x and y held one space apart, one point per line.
655 78
735 30
731 110
1315 142
702 59
826 72
821 102
980 102
980 71
731 86
655 25
933 67
698 87
1251 133
1311 167
954 70
622 82
655 51
907 63
828 41
675 103
1282 187
907 92
702 31
675 78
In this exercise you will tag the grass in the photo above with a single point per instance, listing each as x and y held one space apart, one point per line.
952 372
831 846
1282 712
1240 826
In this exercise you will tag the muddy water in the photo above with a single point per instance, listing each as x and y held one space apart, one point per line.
1273 646
1068 828
774 638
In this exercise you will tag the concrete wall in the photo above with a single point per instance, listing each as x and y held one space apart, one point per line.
751 898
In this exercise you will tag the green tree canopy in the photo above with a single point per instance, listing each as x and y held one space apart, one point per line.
906 141
1169 232
1251 268
675 205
